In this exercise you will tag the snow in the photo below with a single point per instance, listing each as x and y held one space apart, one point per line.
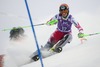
81 55
74 54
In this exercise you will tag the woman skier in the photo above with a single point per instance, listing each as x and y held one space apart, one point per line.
63 33
64 25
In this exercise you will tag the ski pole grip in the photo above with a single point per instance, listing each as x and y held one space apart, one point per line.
80 35
52 22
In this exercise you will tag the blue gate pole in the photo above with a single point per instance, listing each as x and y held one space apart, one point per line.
39 53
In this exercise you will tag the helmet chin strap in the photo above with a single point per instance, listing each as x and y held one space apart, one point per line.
65 16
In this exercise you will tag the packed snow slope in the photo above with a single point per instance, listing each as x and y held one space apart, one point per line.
74 54
80 55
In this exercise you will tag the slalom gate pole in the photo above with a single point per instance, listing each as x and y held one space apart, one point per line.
39 53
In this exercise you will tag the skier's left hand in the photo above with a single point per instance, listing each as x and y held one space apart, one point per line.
80 35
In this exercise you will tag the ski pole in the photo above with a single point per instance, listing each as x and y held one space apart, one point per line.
40 24
24 26
85 35
50 22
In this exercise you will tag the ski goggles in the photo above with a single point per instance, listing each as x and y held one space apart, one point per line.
63 8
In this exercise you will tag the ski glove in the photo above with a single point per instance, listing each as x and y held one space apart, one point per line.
80 35
52 22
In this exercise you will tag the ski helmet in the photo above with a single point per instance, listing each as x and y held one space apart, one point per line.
64 9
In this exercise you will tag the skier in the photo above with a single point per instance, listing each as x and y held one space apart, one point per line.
63 33
1 60
16 32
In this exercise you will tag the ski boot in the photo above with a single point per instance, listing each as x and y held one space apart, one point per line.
58 49
35 58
